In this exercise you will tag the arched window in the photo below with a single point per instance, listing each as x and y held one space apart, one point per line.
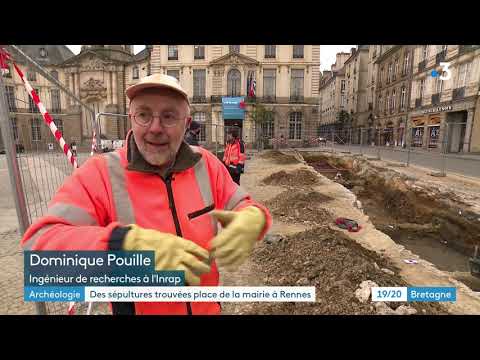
234 82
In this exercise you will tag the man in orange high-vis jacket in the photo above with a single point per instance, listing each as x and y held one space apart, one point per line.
234 156
156 193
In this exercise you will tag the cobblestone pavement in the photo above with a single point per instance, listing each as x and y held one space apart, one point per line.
11 276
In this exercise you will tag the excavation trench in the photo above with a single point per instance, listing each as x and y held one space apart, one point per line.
444 236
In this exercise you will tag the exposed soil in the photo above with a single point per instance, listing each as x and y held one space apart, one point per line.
297 178
278 157
333 264
300 206
411 215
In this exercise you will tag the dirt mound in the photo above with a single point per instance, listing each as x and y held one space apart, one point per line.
279 157
297 178
333 264
300 206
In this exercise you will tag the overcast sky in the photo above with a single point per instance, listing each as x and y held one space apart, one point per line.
327 53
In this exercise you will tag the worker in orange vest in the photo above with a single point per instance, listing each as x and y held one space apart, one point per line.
234 156
156 193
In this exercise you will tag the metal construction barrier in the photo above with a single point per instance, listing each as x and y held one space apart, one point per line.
441 149
46 133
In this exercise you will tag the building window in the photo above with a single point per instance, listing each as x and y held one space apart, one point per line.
462 75
36 129
296 87
56 105
298 51
380 103
59 124
198 52
389 78
387 103
421 89
32 107
394 100
7 72
417 136
342 101
268 126
438 85
10 92
380 76
406 63
43 52
269 80
395 69
135 72
172 52
270 51
174 73
199 83
200 118
295 126
234 49
434 135
54 74
424 52
31 75
234 82
403 98
342 86
13 121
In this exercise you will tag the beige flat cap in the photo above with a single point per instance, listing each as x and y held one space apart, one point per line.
154 81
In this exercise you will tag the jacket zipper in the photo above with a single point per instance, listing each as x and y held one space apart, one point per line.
173 209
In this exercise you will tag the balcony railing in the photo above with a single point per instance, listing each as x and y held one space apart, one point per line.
199 100
421 65
216 99
441 56
269 99
251 99
418 102
296 99
435 99
56 110
458 93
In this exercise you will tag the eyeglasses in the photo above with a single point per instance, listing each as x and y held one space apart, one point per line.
167 119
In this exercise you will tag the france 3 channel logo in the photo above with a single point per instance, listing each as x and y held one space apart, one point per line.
445 74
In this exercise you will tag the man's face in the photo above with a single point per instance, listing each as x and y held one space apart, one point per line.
159 144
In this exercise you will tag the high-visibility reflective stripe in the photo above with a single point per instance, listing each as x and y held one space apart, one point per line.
72 214
30 242
203 182
236 198
121 198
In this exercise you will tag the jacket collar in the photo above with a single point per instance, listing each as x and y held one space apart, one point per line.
185 159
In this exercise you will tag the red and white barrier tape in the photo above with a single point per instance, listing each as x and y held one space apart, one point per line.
48 119
4 56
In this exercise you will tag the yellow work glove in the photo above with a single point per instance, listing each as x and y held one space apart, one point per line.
171 252
235 242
